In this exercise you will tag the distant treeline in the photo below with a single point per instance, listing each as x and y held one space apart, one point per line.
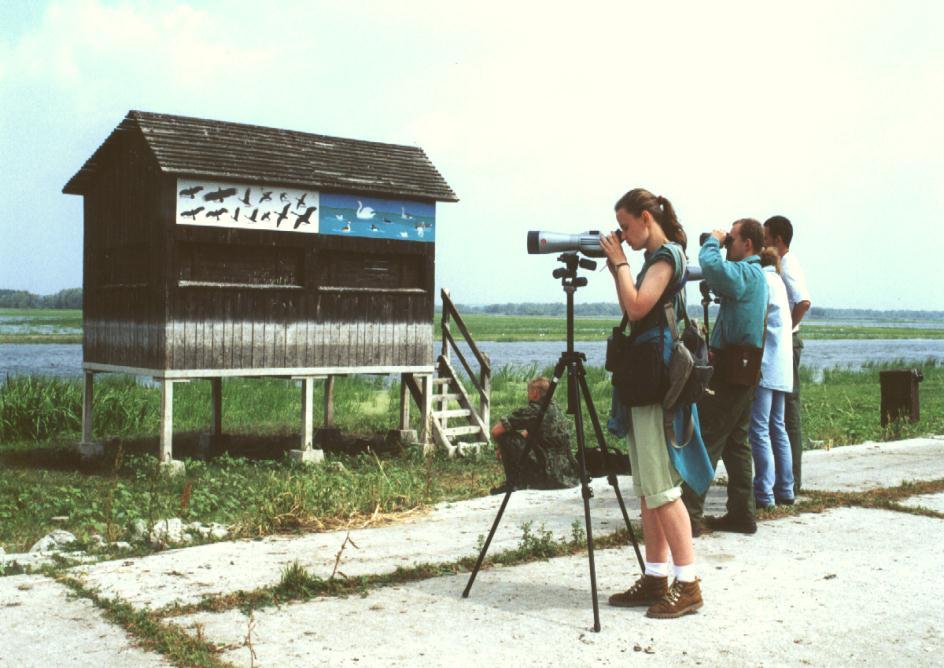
69 298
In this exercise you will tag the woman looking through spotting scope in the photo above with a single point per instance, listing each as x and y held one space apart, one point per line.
649 223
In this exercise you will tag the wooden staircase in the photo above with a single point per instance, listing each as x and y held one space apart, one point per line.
458 424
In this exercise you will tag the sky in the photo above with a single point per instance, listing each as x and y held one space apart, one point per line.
539 118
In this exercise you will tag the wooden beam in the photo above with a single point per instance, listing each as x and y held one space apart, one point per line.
307 414
216 386
329 402
167 420
404 402
87 408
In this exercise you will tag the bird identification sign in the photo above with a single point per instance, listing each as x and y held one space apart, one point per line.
266 207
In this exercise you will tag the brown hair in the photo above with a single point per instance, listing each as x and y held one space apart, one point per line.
769 257
541 384
660 208
751 230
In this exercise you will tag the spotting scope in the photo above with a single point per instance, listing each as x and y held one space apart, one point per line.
587 243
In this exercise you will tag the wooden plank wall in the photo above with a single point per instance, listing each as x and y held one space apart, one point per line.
123 294
297 300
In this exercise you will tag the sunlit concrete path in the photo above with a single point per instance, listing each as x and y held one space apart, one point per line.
821 588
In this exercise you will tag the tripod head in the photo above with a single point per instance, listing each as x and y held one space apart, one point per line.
568 273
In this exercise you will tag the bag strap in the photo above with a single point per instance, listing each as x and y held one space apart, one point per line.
688 428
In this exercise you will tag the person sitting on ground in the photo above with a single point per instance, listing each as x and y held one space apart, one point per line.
550 463
770 445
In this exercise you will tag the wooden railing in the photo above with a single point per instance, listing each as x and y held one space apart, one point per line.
481 379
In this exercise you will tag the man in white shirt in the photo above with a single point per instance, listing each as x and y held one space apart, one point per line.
778 233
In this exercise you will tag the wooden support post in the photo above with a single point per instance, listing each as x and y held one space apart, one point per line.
329 402
167 420
426 432
307 452
168 463
88 449
404 402
307 413
216 386
87 408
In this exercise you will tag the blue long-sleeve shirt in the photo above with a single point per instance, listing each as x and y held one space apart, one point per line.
743 291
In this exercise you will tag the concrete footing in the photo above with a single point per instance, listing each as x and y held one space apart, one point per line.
91 450
309 456
173 467
402 437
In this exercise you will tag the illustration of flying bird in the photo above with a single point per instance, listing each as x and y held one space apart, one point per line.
300 202
282 216
219 194
192 213
283 197
190 192
304 217
236 215
266 196
252 218
217 213
245 198
265 216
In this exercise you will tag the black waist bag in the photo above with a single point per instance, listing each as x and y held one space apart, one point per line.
639 373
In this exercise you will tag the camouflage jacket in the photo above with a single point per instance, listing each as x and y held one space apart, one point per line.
551 451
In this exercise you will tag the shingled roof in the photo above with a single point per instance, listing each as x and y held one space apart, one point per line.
251 153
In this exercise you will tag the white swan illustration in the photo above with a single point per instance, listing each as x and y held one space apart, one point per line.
364 212
339 216
404 234
404 215
346 228
420 230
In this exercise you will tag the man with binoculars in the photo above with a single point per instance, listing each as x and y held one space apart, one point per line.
737 343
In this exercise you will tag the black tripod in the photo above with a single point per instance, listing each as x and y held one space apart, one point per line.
576 388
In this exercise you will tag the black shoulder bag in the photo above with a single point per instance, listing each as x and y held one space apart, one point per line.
639 373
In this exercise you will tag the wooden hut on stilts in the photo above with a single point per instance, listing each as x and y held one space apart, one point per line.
215 249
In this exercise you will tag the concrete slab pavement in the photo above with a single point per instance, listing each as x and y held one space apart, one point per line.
44 625
824 589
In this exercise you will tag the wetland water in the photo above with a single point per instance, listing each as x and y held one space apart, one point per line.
65 360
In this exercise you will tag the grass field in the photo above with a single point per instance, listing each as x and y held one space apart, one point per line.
256 491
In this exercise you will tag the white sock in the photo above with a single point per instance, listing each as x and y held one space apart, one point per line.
657 569
685 573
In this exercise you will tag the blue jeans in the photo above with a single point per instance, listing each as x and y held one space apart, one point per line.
770 445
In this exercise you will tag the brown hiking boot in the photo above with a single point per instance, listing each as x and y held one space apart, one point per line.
682 598
647 590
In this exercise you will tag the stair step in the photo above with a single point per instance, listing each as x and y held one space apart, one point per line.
462 431
441 381
453 413
464 449
445 397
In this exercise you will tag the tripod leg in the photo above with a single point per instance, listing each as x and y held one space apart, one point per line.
488 541
610 476
558 372
587 493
